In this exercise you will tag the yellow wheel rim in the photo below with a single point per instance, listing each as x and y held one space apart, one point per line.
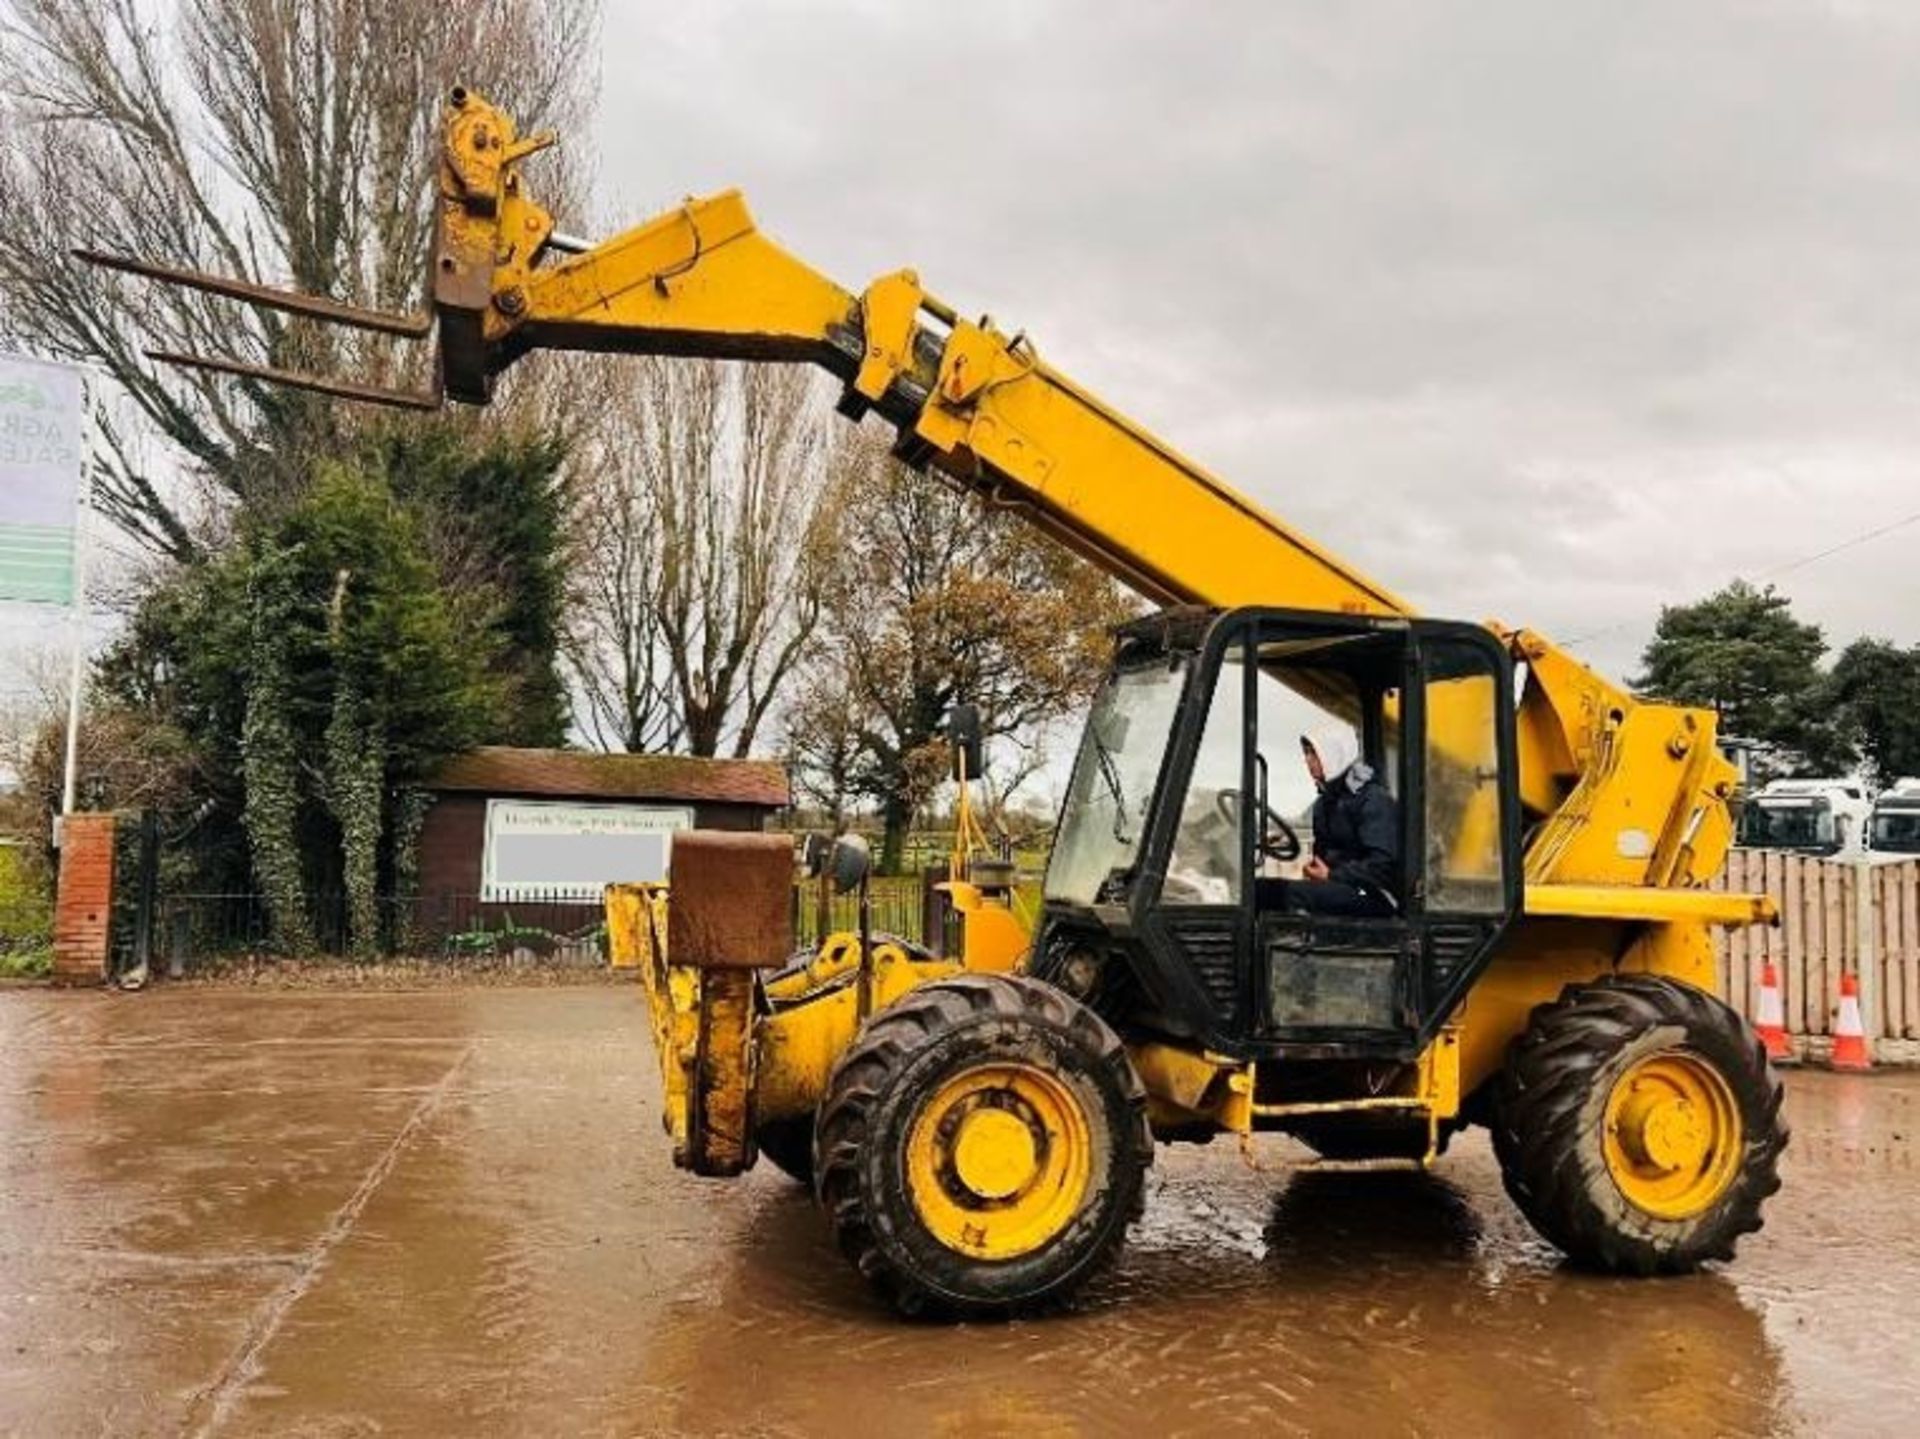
1673 1134
998 1160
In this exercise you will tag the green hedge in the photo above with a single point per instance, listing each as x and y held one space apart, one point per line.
26 916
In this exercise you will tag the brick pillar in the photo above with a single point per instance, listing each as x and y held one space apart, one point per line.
83 912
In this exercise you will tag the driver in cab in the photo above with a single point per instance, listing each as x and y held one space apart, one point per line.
1355 866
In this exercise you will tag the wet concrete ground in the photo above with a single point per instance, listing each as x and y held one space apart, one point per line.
452 1212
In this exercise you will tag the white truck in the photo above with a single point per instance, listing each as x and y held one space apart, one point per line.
1895 828
1827 817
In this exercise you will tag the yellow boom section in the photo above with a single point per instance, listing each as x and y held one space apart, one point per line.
977 405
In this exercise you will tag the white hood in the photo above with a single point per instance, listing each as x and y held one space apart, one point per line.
1337 746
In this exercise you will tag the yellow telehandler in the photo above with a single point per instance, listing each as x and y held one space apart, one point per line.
978 1128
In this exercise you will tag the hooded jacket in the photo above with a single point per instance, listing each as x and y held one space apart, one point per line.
1356 824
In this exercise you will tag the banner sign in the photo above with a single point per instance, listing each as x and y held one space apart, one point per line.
42 439
542 850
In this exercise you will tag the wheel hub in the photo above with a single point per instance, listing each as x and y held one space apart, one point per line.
995 1153
999 1159
1672 1134
1663 1133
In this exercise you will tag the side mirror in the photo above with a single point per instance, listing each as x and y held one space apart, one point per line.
963 733
849 863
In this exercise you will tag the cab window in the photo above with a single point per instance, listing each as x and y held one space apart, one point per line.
1208 846
1464 869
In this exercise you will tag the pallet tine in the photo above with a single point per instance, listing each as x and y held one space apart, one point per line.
295 379
412 327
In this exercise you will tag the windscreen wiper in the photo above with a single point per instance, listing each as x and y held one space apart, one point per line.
1110 772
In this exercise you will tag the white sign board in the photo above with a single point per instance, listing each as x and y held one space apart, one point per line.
42 441
538 849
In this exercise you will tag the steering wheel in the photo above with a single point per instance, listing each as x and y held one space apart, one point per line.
1282 846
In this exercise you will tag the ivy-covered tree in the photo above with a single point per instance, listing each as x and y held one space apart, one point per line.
269 747
323 669
493 517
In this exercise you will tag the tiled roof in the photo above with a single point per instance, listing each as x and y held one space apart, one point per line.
495 769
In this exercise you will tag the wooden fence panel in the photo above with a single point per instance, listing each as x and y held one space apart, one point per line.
1782 944
1753 942
1773 940
1758 939
1909 961
1886 913
1818 939
1825 948
1887 946
1823 963
1845 879
1905 1021
1813 995
1833 930
1729 955
1895 940
1801 1012
1740 953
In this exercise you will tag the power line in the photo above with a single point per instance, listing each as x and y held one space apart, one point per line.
1859 539
1788 568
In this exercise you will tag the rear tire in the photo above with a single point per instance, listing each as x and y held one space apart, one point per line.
1637 1123
982 1147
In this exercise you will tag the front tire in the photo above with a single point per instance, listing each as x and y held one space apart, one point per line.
982 1147
1638 1127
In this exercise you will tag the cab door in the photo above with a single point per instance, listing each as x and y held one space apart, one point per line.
1203 905
1334 982
1464 807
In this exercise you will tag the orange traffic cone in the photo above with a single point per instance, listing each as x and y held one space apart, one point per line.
1849 1034
1771 1022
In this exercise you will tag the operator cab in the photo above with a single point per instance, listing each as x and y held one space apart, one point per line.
1173 895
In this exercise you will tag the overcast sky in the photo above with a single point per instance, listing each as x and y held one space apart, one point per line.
1549 312
1543 310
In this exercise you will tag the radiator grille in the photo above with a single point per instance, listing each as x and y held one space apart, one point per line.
1211 952
1448 947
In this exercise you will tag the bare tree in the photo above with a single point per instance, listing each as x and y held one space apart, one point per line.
280 141
704 544
124 760
821 743
33 700
939 600
623 696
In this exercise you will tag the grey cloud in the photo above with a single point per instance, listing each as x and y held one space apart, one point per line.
1553 311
